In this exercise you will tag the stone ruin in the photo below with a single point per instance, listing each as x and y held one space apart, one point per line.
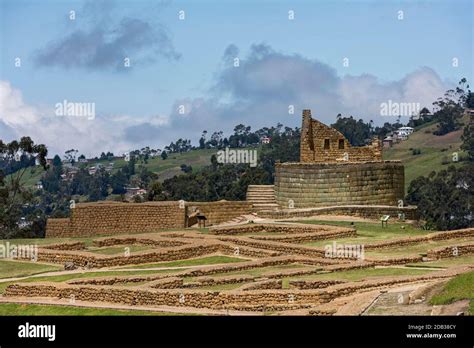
323 144
331 172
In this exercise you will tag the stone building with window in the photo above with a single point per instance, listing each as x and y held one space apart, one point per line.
323 144
331 172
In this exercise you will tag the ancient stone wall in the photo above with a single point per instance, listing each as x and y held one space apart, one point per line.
367 211
219 211
323 144
451 251
307 185
109 218
263 299
58 227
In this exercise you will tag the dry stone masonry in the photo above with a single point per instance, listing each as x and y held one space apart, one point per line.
107 218
276 272
331 172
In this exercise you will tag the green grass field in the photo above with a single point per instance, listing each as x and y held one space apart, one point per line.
412 250
37 309
210 260
433 150
442 263
369 232
11 269
458 288
364 273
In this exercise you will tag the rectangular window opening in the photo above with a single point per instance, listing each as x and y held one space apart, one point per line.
341 144
326 144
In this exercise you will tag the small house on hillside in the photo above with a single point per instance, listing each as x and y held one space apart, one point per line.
387 142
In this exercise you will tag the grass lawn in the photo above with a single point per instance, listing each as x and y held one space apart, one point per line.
10 269
88 241
368 232
458 288
46 241
221 287
452 261
257 272
39 309
210 260
411 250
365 273
31 176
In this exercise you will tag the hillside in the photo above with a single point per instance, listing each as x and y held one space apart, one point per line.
164 168
171 166
435 150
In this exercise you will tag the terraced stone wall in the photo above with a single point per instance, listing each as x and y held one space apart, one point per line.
307 185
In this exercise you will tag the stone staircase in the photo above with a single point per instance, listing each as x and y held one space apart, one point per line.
240 220
262 197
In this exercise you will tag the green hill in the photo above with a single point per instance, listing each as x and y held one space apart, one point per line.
164 168
436 152
171 166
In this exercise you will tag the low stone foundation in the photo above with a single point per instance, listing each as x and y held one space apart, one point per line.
451 251
365 211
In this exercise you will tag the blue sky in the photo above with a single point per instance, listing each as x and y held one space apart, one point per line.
184 62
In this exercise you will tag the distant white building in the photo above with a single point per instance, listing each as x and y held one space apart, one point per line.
403 132
265 140
406 130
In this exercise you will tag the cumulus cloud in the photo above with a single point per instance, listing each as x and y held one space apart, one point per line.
61 133
260 90
105 42
362 95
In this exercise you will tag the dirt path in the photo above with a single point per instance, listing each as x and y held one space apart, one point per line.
160 309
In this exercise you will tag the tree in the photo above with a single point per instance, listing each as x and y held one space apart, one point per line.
118 181
451 108
357 133
186 169
13 195
164 155
70 155
202 140
57 161
445 199
470 100
131 166
155 192
468 139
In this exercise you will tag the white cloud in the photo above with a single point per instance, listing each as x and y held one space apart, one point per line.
257 93
60 133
